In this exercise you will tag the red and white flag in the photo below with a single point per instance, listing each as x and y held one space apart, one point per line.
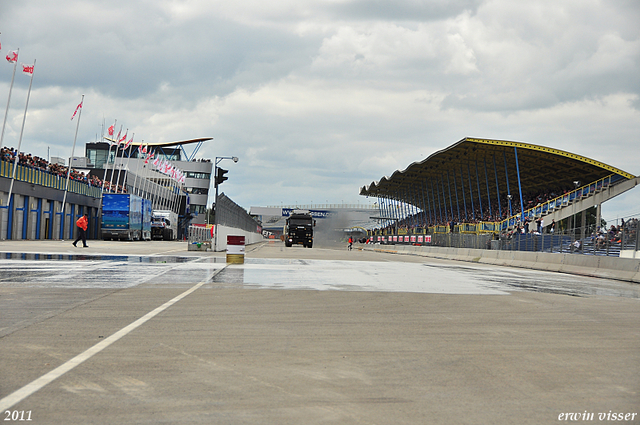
126 145
123 137
12 57
27 69
77 109
111 130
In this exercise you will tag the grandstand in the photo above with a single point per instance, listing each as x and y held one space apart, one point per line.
483 186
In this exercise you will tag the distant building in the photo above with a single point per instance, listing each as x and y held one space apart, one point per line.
189 200
57 160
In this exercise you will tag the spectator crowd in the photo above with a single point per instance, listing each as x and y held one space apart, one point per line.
35 162
443 216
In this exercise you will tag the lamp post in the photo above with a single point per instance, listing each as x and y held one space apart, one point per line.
218 178
576 183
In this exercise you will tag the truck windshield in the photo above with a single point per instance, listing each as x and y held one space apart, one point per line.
300 222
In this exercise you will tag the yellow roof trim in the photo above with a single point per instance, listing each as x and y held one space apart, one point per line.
165 144
552 151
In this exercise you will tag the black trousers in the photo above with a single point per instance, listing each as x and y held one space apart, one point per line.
82 235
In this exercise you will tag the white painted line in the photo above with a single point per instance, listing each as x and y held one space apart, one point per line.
27 390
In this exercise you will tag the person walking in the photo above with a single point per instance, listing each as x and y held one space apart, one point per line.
350 242
82 223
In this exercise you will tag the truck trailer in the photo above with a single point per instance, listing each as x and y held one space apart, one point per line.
164 225
125 217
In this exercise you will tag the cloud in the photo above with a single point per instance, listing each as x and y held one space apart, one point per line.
319 98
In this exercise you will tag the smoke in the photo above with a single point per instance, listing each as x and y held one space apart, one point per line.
333 232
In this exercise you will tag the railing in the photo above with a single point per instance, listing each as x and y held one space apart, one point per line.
327 206
46 179
560 201
594 242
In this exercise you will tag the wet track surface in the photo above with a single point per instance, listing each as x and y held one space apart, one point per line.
123 271
156 334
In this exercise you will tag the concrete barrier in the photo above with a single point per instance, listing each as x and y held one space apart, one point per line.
627 269
224 231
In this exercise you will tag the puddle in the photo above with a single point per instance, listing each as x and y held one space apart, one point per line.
106 257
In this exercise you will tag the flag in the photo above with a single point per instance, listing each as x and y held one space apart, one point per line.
123 137
76 111
27 69
126 145
12 57
111 130
156 161
118 138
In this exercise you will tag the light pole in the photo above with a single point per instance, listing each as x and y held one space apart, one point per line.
218 178
573 216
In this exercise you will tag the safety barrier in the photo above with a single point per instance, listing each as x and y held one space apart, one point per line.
199 237
230 214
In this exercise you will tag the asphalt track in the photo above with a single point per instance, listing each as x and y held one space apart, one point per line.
152 333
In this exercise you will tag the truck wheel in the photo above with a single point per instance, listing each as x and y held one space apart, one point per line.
310 245
287 244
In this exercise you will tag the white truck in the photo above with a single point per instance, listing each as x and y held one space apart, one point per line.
164 225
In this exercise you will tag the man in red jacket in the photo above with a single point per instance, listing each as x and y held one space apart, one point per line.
82 224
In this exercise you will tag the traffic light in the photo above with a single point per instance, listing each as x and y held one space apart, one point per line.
220 176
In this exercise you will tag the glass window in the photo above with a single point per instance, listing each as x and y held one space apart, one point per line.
198 190
194 175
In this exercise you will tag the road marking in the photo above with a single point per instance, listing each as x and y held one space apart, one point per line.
24 392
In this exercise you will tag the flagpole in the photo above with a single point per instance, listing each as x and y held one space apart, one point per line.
15 65
104 177
166 191
15 161
120 169
113 169
136 191
73 148
176 191
129 158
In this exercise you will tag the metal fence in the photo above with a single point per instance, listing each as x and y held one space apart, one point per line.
590 242
230 214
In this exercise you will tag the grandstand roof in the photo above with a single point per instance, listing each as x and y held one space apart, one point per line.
166 144
473 162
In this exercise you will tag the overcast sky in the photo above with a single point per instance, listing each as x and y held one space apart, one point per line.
318 98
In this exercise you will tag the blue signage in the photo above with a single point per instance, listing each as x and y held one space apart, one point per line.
286 212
